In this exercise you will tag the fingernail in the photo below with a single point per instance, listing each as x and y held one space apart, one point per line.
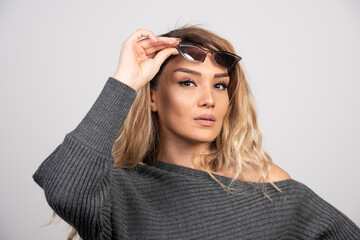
179 39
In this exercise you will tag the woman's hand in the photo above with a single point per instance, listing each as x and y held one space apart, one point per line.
140 60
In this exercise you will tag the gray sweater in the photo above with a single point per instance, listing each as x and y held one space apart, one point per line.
168 201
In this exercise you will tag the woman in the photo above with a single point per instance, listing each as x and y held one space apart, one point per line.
171 130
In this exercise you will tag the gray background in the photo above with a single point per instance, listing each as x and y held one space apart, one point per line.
301 58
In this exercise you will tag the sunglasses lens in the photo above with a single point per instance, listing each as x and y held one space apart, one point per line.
224 59
196 54
192 53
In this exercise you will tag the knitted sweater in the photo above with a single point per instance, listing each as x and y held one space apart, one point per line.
169 201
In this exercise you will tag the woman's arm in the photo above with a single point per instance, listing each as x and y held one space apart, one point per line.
75 177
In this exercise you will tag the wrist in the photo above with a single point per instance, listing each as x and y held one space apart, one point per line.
126 81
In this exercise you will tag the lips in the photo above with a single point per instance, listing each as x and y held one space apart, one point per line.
207 117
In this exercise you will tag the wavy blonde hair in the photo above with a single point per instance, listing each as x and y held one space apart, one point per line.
238 145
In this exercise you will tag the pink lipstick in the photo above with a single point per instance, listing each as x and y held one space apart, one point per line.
205 120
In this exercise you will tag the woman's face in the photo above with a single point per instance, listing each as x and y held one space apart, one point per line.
185 91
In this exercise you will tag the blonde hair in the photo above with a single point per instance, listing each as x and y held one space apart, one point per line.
238 145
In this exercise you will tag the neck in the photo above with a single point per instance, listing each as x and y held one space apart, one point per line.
178 152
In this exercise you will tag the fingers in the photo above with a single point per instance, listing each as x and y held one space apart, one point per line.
147 38
154 49
141 33
151 49
152 55
146 43
163 55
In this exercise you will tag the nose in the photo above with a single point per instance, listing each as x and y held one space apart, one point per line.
207 99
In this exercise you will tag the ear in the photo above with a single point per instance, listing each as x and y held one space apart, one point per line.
153 100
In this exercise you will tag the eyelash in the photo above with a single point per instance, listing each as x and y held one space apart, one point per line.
225 86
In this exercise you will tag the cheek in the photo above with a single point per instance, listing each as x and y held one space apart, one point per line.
176 107
222 105
225 107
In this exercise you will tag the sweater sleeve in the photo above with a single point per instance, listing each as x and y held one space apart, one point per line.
76 175
318 219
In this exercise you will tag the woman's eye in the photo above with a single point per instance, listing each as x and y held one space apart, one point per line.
186 83
189 83
221 86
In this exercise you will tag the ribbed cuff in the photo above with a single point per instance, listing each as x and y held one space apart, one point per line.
102 123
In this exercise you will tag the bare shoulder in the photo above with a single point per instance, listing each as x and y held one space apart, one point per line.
277 173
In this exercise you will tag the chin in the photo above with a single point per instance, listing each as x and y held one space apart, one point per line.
202 138
205 135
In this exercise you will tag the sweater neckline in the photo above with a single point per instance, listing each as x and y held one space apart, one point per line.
200 174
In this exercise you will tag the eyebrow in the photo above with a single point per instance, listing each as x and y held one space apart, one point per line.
186 70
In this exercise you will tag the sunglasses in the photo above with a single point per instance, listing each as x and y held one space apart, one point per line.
197 54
